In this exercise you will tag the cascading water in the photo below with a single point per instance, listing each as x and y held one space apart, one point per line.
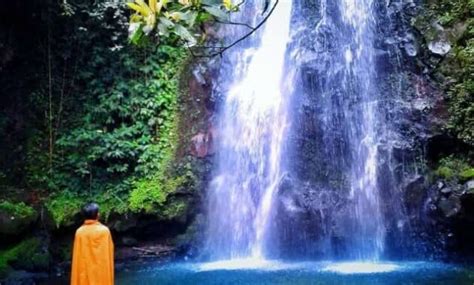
332 198
358 82
323 198
346 102
252 126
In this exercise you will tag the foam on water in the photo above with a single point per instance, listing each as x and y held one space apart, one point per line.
348 267
361 267
244 264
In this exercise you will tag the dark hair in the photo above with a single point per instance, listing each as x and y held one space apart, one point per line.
90 211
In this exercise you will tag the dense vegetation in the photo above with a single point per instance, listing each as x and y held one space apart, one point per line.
453 22
101 121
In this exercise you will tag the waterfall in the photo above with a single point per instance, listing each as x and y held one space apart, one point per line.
358 81
253 122
346 96
322 199
332 206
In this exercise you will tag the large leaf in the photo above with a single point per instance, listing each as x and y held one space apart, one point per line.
190 18
166 22
136 8
163 30
145 8
152 4
183 33
135 33
228 5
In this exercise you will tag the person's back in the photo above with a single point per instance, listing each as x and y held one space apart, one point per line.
93 254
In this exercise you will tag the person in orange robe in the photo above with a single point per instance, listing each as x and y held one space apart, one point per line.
93 254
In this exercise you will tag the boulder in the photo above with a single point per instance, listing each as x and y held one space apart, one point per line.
440 47
15 218
470 186
450 206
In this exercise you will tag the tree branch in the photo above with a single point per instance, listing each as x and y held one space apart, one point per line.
252 30
235 23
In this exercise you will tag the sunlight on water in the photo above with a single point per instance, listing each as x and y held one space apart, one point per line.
356 267
242 264
361 267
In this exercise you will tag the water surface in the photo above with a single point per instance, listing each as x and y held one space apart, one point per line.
274 272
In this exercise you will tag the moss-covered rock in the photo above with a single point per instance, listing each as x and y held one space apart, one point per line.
15 218
467 174
454 168
26 255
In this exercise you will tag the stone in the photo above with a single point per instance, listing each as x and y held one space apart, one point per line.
470 186
446 190
411 49
410 45
440 185
450 206
414 190
439 47
202 144
198 73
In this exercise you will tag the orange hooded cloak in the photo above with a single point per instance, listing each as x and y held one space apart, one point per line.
93 255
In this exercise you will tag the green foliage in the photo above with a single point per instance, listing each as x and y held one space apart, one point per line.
151 194
122 129
20 210
102 116
119 144
27 255
15 217
453 167
457 68
467 174
461 93
445 172
63 207
175 209
168 17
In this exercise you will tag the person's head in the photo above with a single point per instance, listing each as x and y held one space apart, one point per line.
91 211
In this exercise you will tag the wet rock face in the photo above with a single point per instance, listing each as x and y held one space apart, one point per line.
413 111
318 216
447 218
202 144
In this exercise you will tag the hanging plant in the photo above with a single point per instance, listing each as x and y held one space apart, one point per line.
166 17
